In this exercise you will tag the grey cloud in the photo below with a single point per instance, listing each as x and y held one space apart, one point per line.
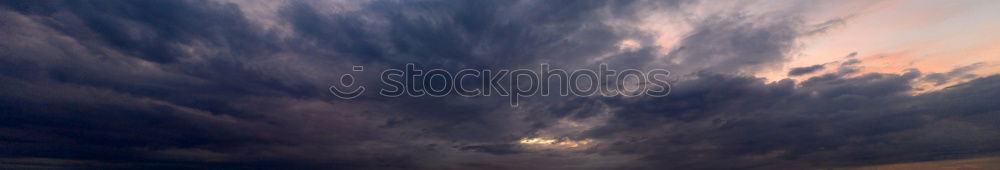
798 71
959 73
851 62
852 55
200 85
828 25
182 60
737 43
826 121
501 149
471 33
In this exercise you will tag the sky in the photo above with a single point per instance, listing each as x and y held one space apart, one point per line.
239 84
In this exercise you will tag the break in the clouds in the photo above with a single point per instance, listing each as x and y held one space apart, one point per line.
121 84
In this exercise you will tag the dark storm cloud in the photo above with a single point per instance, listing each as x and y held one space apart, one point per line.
162 70
500 149
153 81
472 33
152 30
828 121
798 71
468 34
203 84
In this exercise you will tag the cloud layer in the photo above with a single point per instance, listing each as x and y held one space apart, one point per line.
216 84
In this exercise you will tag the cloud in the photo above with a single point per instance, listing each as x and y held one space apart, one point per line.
851 62
959 73
798 71
852 55
737 43
236 85
500 149
821 122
